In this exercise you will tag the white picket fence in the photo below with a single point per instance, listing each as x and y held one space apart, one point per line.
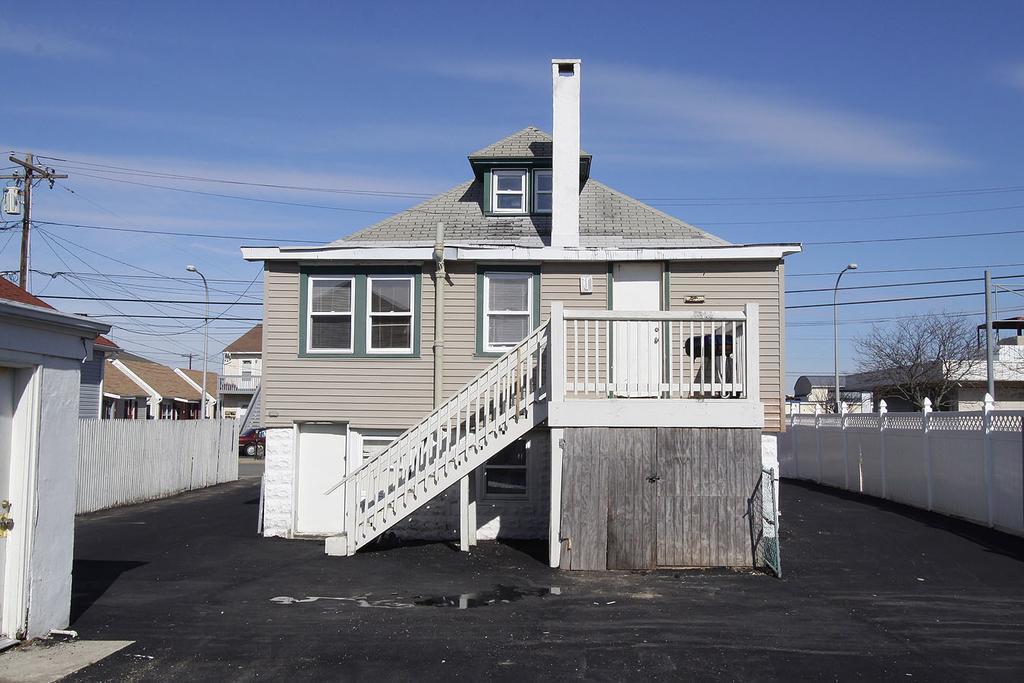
964 464
128 461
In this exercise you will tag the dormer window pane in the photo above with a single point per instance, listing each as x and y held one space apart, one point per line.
509 194
542 192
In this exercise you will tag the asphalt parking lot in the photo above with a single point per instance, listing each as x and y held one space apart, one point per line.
870 591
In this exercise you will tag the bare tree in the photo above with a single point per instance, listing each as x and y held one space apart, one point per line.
916 358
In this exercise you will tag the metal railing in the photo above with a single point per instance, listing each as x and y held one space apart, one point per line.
240 383
658 354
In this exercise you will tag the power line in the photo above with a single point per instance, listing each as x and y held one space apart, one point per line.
173 317
907 270
809 198
918 237
174 233
158 301
859 219
123 170
886 301
862 321
901 284
240 197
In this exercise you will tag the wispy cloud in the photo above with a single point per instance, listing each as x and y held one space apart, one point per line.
743 121
34 41
1011 75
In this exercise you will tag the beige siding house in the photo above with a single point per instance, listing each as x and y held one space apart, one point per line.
429 375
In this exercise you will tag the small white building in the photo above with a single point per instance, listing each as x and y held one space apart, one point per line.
41 356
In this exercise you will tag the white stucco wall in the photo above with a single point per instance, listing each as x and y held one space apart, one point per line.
53 539
53 354
279 482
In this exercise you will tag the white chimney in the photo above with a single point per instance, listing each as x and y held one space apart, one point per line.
565 167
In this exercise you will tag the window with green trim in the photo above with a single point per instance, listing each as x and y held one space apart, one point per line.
507 309
508 189
360 312
390 316
329 322
542 191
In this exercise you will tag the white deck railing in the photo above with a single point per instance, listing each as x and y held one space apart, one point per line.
242 383
496 407
655 354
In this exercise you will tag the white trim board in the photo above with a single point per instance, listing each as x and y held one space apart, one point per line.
752 252
655 412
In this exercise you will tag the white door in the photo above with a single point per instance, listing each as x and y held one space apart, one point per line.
637 368
321 464
6 446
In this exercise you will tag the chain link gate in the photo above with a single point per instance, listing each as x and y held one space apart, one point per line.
763 513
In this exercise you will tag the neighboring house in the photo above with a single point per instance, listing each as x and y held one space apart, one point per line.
139 389
41 355
556 360
243 366
90 402
971 378
818 393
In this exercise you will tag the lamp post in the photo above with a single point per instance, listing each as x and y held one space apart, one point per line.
835 328
206 341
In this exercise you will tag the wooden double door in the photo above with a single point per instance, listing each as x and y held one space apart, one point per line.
640 498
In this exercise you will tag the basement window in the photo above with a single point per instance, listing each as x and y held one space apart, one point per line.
542 192
506 474
508 193
330 314
390 312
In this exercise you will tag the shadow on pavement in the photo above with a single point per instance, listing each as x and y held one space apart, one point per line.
90 579
992 540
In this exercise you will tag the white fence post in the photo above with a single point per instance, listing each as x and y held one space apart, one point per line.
817 439
987 428
882 410
846 450
926 415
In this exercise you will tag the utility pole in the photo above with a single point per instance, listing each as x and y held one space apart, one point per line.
189 359
31 174
989 354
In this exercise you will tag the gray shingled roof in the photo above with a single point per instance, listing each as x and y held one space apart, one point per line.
607 219
528 143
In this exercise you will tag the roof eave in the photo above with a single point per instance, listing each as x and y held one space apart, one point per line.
420 252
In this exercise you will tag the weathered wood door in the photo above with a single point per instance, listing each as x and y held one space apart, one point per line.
706 476
637 498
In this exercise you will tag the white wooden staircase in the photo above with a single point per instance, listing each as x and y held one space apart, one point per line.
495 408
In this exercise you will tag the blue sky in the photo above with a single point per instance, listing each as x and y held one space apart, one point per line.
761 122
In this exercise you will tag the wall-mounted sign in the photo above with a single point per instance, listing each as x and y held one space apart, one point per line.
695 299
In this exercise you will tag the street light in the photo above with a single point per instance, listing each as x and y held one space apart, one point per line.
206 341
835 327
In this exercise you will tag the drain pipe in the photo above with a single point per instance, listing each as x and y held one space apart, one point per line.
439 279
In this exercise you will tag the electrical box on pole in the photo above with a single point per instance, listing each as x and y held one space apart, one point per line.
12 200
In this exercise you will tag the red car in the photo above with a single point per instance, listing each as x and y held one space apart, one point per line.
252 442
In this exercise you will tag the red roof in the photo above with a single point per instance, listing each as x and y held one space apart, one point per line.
250 342
12 292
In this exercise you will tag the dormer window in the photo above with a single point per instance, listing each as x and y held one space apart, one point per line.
509 193
542 191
